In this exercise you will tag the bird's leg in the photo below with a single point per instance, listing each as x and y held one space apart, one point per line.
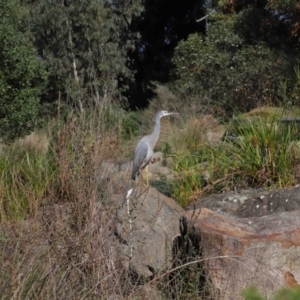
147 178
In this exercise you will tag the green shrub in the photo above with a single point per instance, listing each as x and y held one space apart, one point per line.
22 75
225 70
260 153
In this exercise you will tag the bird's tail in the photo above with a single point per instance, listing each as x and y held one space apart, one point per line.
134 176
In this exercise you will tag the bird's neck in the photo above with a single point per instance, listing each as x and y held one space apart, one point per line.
155 133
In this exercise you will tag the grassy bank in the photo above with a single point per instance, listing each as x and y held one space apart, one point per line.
56 205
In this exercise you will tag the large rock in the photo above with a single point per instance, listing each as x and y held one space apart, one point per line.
243 252
233 202
146 225
252 202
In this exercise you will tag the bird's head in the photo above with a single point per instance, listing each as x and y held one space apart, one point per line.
163 113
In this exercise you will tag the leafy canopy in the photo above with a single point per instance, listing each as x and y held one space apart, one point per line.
21 75
85 45
226 70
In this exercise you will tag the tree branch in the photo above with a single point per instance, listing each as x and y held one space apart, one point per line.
205 17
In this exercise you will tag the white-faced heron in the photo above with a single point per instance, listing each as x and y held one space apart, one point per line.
144 149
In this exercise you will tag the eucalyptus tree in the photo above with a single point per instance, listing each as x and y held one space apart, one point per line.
85 45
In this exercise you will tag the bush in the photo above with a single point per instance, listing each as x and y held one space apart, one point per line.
225 70
22 75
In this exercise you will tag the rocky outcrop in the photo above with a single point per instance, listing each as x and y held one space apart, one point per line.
242 252
246 238
252 202
146 225
233 202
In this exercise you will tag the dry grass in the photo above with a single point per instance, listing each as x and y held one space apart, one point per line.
194 125
57 256
196 131
267 112
187 106
38 140
64 250
181 102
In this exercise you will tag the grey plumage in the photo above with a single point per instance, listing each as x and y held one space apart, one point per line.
144 149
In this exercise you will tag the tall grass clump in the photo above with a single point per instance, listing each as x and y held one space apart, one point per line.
264 152
256 151
67 251
192 146
25 174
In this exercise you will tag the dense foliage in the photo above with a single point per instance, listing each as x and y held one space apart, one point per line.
242 54
85 47
21 75
227 71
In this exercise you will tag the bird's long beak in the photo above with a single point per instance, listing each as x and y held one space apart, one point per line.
173 113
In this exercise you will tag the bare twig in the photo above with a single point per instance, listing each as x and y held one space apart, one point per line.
205 17
130 220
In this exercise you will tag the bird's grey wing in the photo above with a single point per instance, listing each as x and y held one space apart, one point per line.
140 155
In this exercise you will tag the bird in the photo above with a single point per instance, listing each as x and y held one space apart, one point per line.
144 149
